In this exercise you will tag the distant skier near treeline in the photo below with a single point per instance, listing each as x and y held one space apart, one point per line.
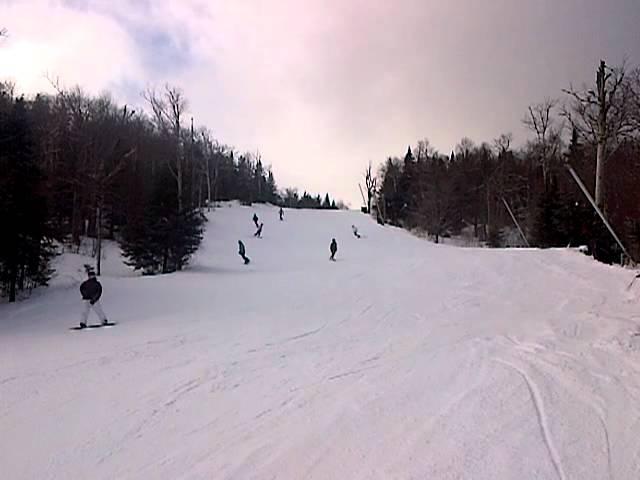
255 219
355 231
333 248
91 291
259 231
281 214
242 253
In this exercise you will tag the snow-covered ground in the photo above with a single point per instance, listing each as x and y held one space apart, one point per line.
403 359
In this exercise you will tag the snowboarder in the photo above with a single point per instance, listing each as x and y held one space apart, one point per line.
241 252
259 231
355 231
281 214
91 291
255 220
333 248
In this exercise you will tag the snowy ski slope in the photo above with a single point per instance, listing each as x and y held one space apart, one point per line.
403 359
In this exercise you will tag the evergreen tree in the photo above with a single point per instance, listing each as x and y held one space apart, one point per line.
271 189
244 175
73 165
259 183
406 194
162 239
327 202
549 227
26 243
390 190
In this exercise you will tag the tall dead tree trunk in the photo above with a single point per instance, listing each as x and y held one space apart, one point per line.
601 133
602 117
207 154
195 171
178 170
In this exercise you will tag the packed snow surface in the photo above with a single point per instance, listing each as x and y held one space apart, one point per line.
402 359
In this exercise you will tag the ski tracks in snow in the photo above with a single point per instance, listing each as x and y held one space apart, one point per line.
541 415
409 366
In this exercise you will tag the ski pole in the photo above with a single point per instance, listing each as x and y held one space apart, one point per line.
633 281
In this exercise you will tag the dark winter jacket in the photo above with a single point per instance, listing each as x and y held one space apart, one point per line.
91 290
333 247
241 250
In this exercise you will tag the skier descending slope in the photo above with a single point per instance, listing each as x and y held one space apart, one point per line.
281 213
333 248
355 231
241 252
259 231
91 291
255 219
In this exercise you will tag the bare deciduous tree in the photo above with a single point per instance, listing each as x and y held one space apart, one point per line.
539 119
602 117
370 182
465 147
423 150
290 197
7 88
503 143
168 108
207 157
635 100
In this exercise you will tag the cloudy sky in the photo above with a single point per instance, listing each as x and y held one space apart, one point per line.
321 87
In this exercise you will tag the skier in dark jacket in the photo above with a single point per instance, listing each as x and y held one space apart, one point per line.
255 219
281 214
241 252
333 248
355 231
259 231
91 291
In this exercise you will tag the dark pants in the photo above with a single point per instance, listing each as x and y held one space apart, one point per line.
245 258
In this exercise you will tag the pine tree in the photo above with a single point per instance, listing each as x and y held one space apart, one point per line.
244 174
258 182
550 224
26 243
327 202
271 189
161 239
406 193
